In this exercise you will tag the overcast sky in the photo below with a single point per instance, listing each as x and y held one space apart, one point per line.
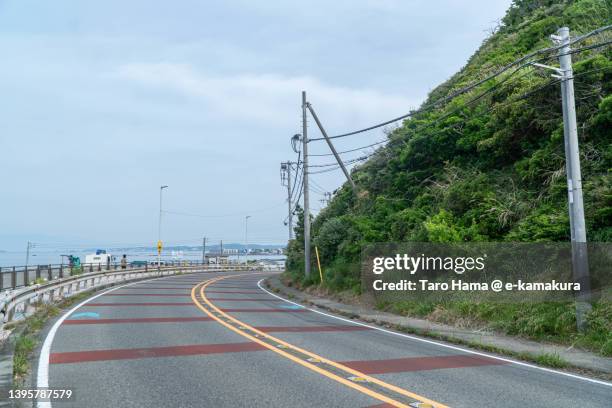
104 101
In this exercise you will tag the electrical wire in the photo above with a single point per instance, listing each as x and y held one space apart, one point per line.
575 51
519 63
483 94
352 150
298 176
336 164
524 96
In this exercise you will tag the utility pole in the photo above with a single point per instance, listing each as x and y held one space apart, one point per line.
203 250
30 245
159 241
246 239
286 180
580 260
306 188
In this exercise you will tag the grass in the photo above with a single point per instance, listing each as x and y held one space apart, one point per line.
553 322
76 270
24 346
28 330
546 322
551 360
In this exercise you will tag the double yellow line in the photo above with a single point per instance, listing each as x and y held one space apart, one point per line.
280 347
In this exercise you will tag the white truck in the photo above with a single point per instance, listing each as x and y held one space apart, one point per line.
99 258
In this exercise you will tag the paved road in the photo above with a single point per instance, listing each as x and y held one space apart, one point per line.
219 340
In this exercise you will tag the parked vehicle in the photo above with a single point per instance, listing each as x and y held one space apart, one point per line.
99 258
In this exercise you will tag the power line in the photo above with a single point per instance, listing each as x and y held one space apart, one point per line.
575 51
298 176
518 62
353 150
336 164
491 91
318 185
526 95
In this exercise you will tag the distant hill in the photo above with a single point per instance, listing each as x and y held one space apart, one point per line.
211 247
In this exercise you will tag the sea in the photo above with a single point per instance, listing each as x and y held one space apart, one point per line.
46 257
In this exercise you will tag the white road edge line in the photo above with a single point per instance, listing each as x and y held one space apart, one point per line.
42 376
507 360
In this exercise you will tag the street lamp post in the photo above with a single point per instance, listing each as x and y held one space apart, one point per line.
159 242
246 239
30 246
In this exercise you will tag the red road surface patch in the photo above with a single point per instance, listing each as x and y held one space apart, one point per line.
141 304
138 320
245 300
232 287
249 310
147 294
151 352
301 329
244 292
155 287
399 365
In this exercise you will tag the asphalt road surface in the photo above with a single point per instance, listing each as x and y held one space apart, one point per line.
220 340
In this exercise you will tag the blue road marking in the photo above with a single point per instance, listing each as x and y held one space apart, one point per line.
87 314
293 307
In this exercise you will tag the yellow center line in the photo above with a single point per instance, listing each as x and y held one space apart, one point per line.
306 364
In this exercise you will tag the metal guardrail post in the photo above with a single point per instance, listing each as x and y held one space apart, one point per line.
37 271
1 279
61 271
14 278
26 277
50 273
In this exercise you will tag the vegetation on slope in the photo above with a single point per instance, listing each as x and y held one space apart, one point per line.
492 169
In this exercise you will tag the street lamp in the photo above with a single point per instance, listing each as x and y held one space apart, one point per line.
159 242
246 239
30 246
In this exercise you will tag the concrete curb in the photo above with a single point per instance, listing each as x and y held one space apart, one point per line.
579 360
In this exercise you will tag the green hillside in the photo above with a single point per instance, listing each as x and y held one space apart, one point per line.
490 169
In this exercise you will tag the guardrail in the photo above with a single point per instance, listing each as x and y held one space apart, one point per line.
25 300
14 277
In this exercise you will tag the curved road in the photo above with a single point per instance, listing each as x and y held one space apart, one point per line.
220 340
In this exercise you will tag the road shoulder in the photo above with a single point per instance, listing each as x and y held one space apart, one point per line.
578 361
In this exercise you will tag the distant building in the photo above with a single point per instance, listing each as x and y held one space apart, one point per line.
216 258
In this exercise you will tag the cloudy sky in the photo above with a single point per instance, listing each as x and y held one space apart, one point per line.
104 101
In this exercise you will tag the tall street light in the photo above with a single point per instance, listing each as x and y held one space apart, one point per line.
159 242
246 239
